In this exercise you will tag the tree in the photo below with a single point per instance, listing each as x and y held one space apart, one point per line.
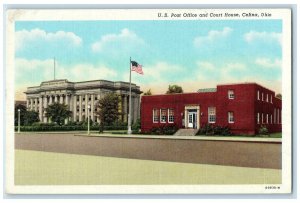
22 114
279 96
31 117
174 89
108 110
148 92
58 113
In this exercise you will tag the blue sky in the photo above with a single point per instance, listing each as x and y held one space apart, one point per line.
194 54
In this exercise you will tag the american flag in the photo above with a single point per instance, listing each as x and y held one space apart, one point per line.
136 67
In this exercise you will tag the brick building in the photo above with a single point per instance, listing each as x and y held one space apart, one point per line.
243 107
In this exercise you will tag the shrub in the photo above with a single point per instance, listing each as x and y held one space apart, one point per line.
209 129
137 125
164 130
263 130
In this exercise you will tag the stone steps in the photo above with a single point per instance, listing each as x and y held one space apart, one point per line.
186 132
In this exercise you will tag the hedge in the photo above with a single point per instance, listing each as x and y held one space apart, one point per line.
67 128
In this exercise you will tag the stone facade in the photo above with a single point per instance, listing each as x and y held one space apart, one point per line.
79 95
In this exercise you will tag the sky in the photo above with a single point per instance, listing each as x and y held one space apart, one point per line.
191 53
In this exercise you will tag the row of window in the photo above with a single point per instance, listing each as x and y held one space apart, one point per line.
269 118
162 115
212 115
261 96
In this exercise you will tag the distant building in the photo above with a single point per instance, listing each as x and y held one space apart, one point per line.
20 102
79 95
242 107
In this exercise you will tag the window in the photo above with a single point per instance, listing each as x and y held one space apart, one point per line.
274 116
271 119
163 115
230 94
262 118
257 118
267 118
155 115
258 95
211 114
262 96
171 115
230 117
278 116
267 98
271 99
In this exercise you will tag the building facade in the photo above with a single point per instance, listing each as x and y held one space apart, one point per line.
81 97
242 107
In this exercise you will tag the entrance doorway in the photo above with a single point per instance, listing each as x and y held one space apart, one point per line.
192 118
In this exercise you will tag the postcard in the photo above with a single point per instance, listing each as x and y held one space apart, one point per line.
148 101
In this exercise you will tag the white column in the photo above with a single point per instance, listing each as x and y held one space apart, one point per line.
27 103
61 99
86 106
139 106
92 107
125 108
55 98
86 102
74 107
31 104
80 107
71 103
67 100
50 100
45 106
68 106
41 109
186 118
36 104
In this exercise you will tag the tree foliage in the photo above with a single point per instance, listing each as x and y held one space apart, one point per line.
58 113
149 92
279 96
22 114
26 117
108 110
174 89
31 117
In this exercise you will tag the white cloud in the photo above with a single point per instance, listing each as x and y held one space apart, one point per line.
268 37
33 72
117 41
212 36
40 69
268 63
206 71
26 38
83 72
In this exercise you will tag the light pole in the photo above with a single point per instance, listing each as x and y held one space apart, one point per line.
19 120
88 114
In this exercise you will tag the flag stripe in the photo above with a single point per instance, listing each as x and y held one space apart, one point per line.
137 67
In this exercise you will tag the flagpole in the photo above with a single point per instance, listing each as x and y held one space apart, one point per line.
54 67
129 115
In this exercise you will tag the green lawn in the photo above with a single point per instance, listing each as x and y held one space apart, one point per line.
46 168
